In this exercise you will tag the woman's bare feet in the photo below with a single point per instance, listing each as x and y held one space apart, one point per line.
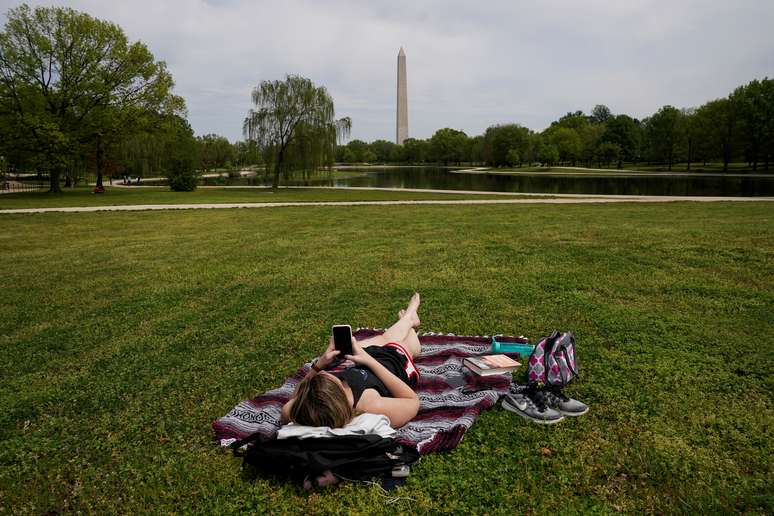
411 311
413 303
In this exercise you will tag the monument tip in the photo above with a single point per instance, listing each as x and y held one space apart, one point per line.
401 53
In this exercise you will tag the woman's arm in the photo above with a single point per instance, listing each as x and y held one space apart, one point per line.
396 386
404 404
285 413
321 363
399 410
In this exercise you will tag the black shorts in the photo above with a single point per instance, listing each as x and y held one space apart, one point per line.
397 360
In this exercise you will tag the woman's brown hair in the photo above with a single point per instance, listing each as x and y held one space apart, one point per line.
320 401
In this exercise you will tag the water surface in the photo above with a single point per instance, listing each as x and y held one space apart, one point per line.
439 178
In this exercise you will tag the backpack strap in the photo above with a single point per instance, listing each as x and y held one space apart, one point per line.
237 445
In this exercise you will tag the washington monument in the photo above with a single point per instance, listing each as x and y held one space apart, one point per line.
401 125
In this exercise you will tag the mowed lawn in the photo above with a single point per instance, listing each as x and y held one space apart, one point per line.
124 335
82 196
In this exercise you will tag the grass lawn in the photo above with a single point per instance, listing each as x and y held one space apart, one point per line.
332 174
699 167
558 171
291 179
120 347
505 170
82 196
630 168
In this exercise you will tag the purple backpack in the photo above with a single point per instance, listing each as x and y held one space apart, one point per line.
553 360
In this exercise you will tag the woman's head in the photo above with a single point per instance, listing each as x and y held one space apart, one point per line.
320 401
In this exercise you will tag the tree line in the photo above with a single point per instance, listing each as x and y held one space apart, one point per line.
77 98
739 127
74 92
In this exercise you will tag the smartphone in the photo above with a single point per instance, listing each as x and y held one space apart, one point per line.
342 339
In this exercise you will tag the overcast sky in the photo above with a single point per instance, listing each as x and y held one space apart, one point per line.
469 64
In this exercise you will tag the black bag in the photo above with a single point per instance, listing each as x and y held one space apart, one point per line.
354 457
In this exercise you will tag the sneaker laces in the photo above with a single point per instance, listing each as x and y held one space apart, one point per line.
557 394
515 388
538 398
534 396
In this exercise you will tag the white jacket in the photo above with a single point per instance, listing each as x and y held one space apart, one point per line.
360 425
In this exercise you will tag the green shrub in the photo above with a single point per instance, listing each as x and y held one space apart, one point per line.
183 179
182 159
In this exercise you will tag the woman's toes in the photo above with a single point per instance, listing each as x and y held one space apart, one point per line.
413 305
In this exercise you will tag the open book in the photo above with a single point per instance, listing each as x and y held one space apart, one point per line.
486 365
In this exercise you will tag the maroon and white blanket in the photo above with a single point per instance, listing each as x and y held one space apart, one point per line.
451 396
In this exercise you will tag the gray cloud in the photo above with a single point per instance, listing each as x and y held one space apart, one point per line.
469 64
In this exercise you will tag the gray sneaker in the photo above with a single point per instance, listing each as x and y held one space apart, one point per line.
567 406
532 408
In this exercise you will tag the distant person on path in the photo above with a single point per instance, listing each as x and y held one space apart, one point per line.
382 381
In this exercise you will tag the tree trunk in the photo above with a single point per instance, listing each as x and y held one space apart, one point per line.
726 154
53 176
275 181
100 162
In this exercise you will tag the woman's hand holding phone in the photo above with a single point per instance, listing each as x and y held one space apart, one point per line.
359 356
330 354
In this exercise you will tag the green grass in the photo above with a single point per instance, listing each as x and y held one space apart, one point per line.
301 176
82 196
698 167
335 174
506 170
629 168
124 335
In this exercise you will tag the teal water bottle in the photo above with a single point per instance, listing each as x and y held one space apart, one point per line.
524 349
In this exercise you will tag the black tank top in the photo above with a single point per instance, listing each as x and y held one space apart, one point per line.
360 378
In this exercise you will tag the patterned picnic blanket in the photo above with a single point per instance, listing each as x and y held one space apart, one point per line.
451 396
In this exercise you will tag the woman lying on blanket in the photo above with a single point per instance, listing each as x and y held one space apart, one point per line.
381 382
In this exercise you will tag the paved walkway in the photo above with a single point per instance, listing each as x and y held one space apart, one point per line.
598 200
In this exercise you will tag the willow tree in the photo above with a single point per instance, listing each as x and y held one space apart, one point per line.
294 123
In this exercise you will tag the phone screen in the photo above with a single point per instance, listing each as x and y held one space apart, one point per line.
342 339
